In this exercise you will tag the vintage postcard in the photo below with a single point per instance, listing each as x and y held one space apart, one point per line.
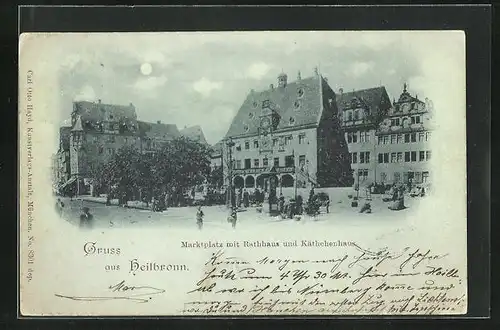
271 173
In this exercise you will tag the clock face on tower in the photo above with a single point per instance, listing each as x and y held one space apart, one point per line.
265 122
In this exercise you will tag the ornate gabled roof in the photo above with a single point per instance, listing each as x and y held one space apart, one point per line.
406 97
158 131
299 103
94 112
371 99
194 133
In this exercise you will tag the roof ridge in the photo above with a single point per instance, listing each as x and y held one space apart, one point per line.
108 104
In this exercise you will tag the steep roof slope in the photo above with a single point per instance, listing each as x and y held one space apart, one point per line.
371 98
194 133
158 131
298 103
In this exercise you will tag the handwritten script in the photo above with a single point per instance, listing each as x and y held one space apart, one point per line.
410 281
121 291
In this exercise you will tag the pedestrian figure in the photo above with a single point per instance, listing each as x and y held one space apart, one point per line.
246 198
153 204
233 217
281 203
167 200
86 219
59 207
240 195
328 205
199 218
299 205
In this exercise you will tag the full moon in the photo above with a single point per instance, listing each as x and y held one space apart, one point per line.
146 69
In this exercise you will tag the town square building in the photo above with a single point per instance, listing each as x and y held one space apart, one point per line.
388 142
304 132
98 131
361 112
289 133
403 142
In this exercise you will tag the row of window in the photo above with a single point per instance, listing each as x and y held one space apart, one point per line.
404 138
415 119
415 177
286 140
112 139
354 115
362 136
409 156
247 163
364 157
108 139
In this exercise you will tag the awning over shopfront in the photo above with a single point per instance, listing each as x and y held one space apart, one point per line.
67 183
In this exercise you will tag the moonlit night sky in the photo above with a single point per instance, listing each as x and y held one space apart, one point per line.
202 78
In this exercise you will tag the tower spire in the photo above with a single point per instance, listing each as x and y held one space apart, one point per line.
78 125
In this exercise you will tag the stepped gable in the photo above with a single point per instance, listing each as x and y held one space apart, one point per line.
158 130
301 100
371 99
194 133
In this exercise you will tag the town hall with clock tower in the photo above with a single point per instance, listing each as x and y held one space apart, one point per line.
288 135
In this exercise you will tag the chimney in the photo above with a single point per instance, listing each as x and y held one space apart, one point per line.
282 80
131 104
298 76
271 86
158 121
99 100
341 90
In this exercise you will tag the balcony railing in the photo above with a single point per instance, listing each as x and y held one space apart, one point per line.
259 170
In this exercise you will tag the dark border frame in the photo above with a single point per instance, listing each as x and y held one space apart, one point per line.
474 20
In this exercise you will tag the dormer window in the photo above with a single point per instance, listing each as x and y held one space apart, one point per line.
292 120
300 92
254 104
250 115
245 128
296 104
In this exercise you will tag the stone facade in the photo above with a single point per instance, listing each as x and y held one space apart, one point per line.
402 145
290 132
388 143
99 130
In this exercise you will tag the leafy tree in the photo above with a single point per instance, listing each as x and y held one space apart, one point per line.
123 172
216 176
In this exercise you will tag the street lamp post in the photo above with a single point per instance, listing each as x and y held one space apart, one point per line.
230 144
